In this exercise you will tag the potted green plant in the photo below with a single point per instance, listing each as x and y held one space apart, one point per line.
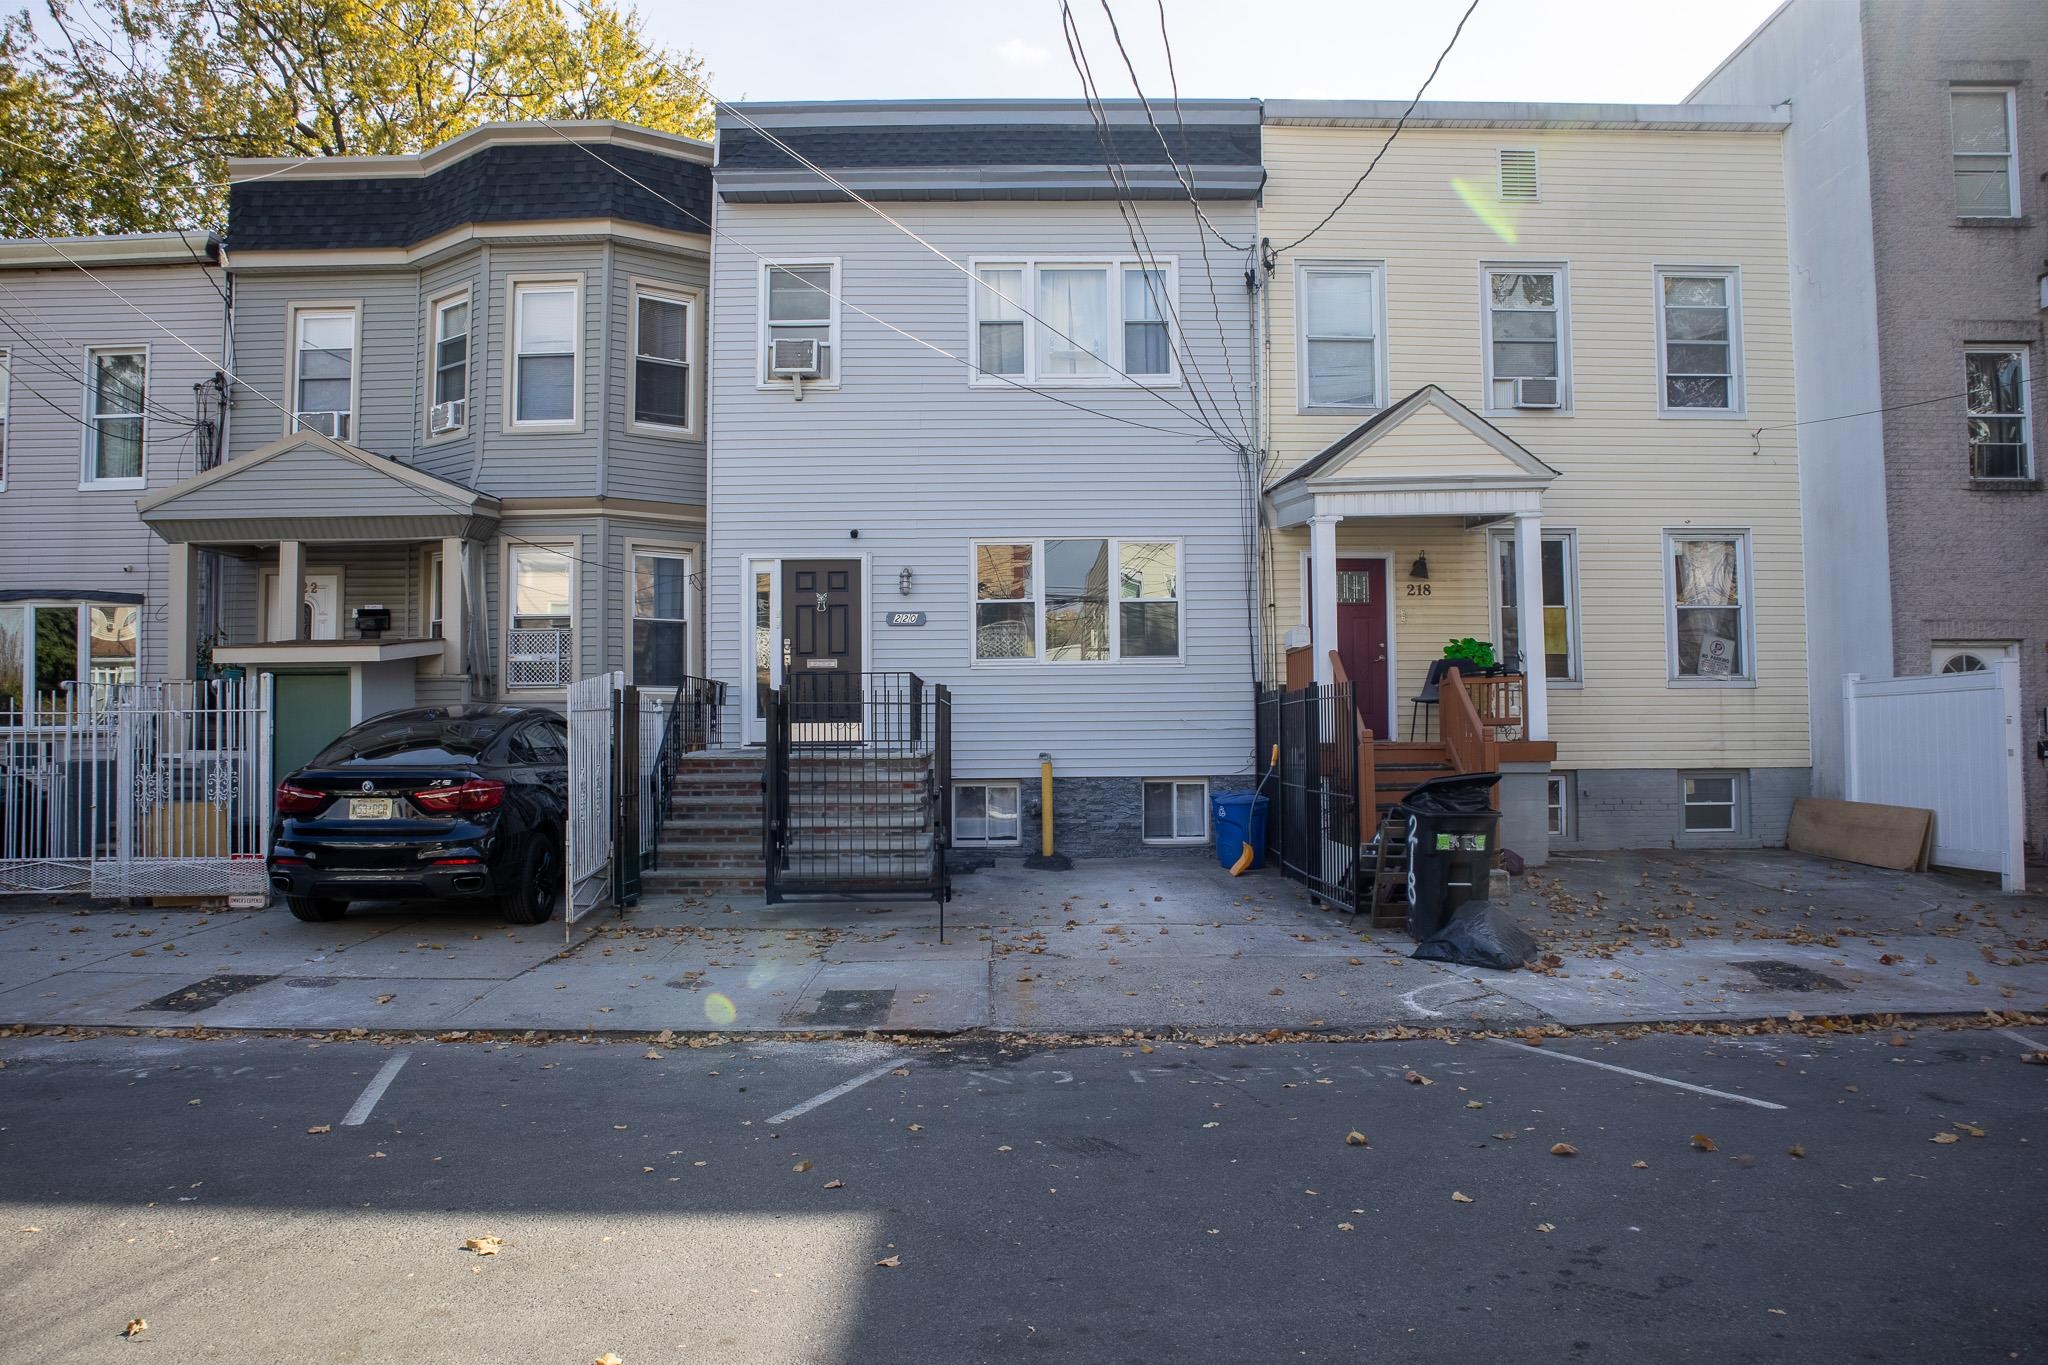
1474 658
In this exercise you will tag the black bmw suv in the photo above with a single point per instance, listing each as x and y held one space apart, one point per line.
446 802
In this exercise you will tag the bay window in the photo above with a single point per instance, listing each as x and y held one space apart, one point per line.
1077 600
1074 322
116 381
540 635
450 394
546 325
662 343
661 627
1708 618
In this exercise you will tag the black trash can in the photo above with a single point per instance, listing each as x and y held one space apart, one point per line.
1453 837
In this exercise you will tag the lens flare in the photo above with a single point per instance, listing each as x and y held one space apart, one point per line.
1496 217
764 971
718 1009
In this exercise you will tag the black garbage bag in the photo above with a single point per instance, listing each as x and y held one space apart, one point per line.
1456 794
1479 934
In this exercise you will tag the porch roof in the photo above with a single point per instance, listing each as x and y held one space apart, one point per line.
309 487
1427 455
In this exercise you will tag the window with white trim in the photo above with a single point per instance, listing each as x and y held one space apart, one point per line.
1074 322
1527 328
800 301
1176 811
1699 341
116 384
1995 394
1342 318
324 371
1560 605
45 645
430 595
450 392
1557 805
1983 151
540 636
546 328
661 617
1077 600
1708 605
1711 803
663 341
986 815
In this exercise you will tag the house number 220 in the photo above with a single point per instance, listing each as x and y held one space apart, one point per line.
1418 589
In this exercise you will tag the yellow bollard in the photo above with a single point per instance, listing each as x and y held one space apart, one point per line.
1045 805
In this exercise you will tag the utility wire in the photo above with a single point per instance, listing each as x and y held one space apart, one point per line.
61 366
1401 123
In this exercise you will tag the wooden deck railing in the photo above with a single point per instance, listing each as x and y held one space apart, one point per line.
1467 738
1368 772
1500 702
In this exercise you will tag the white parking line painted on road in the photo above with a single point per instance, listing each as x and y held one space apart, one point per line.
1640 1075
1425 1011
2024 1041
374 1091
796 1111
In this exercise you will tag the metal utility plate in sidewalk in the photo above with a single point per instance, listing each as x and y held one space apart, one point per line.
936 996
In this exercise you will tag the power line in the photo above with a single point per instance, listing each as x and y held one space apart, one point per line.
60 365
1401 123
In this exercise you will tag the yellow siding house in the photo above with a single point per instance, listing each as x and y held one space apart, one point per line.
1538 368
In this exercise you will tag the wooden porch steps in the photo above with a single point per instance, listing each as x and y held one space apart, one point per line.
1399 768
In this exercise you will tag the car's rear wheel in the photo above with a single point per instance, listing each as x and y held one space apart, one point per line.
315 909
538 885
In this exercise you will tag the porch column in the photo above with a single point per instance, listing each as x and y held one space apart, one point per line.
1322 577
454 610
181 624
289 600
1529 616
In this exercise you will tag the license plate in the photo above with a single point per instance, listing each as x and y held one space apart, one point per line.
369 808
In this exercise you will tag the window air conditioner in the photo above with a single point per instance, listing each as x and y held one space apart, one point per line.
1538 393
794 358
449 416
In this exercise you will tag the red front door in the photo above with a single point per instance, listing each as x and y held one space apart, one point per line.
1362 638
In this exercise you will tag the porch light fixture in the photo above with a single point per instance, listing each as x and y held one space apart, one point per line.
904 579
1420 568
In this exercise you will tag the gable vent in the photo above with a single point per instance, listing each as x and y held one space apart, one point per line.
1518 173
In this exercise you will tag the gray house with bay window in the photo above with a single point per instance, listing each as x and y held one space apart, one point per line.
466 454
100 404
992 428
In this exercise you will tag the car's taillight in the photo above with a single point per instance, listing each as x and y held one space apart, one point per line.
293 800
476 794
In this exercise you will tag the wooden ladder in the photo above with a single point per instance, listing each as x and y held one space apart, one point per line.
1388 906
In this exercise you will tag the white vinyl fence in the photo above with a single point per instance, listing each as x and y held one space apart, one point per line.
137 789
591 707
1950 743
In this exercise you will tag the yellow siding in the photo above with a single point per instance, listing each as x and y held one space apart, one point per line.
1428 443
1614 206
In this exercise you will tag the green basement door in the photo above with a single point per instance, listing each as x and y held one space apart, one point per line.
312 708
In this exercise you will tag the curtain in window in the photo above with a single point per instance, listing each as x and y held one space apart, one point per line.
1073 305
118 381
1709 609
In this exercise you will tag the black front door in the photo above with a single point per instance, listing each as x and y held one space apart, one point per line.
821 624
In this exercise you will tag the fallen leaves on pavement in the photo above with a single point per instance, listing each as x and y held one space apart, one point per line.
1354 1138
607 1359
1563 1149
1705 1143
1944 1138
1416 1078
835 1184
136 1327
1972 1129
802 1166
484 1246
1795 1150
890 1261
321 1128
1459 1197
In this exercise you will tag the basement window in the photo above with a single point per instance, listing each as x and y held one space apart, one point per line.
1712 803
1176 812
985 815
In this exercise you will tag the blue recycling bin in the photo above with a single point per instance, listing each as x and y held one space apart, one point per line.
1239 818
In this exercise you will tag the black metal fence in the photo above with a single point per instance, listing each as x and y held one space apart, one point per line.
859 786
1312 827
687 722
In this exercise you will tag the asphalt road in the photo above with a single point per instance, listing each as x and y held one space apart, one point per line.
1087 1205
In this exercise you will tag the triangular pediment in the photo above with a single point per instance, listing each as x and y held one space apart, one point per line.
1427 439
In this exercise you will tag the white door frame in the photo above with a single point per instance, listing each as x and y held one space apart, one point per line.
754 724
268 596
1386 558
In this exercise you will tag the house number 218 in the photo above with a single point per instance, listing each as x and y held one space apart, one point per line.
1418 589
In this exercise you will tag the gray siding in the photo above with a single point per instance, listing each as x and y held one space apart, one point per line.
918 463
654 468
53 534
386 359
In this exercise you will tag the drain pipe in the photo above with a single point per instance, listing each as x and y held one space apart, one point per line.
1045 805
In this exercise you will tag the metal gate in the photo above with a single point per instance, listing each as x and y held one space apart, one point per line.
138 789
588 831
1950 743
1312 830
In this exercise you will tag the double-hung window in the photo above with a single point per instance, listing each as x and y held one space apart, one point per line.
1995 394
661 617
323 371
800 302
1708 593
1982 149
1077 600
116 383
662 336
1342 316
539 645
1711 803
450 397
1699 338
1074 322
546 326
1560 638
1527 337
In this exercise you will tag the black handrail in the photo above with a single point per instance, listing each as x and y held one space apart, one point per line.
691 723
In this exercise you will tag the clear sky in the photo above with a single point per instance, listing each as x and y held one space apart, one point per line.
1651 51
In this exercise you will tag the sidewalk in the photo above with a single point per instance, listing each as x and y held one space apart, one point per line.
1149 944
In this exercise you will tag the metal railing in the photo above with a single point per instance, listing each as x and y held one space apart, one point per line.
1313 825
688 721
859 782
